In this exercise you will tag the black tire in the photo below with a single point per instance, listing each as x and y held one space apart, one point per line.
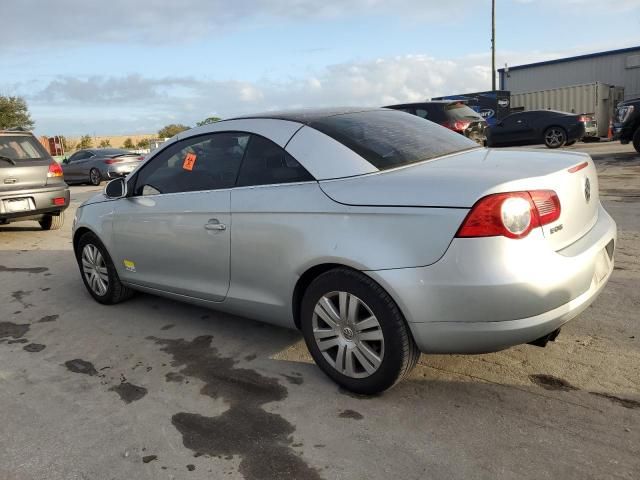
115 292
636 140
52 222
94 177
568 144
400 352
554 137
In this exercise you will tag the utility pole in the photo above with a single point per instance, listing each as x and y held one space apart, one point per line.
493 45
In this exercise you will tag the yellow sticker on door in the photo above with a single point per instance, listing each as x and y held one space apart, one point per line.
129 266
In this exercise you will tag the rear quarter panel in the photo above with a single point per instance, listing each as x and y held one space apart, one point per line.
278 232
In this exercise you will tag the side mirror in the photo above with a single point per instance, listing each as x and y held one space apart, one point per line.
116 188
65 160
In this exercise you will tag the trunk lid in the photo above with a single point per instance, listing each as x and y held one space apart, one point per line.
459 180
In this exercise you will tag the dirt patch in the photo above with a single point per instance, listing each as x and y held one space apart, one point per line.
49 318
34 347
149 458
174 377
78 365
294 379
25 270
351 414
549 382
625 402
13 330
167 327
19 295
261 438
129 392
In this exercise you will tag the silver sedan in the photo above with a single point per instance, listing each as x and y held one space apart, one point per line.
377 233
94 165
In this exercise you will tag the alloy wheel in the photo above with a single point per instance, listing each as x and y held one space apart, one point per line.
94 176
554 137
348 334
95 269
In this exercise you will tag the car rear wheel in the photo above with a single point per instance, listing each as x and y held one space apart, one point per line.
94 177
52 222
98 271
356 333
636 140
555 137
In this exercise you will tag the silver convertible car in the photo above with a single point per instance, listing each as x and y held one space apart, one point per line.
377 233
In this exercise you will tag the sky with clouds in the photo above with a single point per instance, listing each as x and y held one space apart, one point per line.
124 67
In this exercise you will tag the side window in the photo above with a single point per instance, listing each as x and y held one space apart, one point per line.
78 156
421 112
207 162
266 163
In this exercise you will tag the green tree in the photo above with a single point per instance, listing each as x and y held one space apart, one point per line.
105 143
144 143
14 113
85 142
128 143
208 120
171 130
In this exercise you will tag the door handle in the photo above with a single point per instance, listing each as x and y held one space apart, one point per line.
215 225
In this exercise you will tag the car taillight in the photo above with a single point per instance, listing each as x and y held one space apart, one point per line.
110 161
55 170
511 215
584 118
456 125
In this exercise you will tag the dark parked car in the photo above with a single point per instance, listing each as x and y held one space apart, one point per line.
31 183
554 129
97 164
626 123
455 115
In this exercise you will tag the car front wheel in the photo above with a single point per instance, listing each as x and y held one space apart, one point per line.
98 271
356 333
555 137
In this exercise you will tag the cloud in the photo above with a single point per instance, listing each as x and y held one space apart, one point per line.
116 104
72 22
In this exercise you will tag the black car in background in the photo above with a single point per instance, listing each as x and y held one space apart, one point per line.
554 129
455 115
626 123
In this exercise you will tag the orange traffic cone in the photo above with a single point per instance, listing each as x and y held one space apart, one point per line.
610 131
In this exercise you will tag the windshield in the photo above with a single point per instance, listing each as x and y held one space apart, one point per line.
390 138
21 147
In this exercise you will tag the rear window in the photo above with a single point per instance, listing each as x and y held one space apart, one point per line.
460 111
21 147
389 139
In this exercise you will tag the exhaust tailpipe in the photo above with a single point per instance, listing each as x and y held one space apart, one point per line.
549 337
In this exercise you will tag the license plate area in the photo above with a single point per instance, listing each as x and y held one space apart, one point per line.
603 266
17 205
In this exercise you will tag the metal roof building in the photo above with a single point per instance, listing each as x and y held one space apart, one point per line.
619 68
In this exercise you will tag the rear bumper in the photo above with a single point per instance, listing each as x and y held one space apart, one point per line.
41 200
487 294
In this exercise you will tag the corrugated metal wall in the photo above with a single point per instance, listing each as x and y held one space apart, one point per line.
615 69
598 99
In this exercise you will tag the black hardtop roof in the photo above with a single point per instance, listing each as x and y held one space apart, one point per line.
306 115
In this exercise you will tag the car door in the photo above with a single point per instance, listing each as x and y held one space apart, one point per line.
172 233
513 130
69 167
271 196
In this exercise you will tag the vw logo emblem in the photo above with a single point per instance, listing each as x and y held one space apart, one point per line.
587 190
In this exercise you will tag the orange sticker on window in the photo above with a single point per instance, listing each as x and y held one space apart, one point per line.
189 161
